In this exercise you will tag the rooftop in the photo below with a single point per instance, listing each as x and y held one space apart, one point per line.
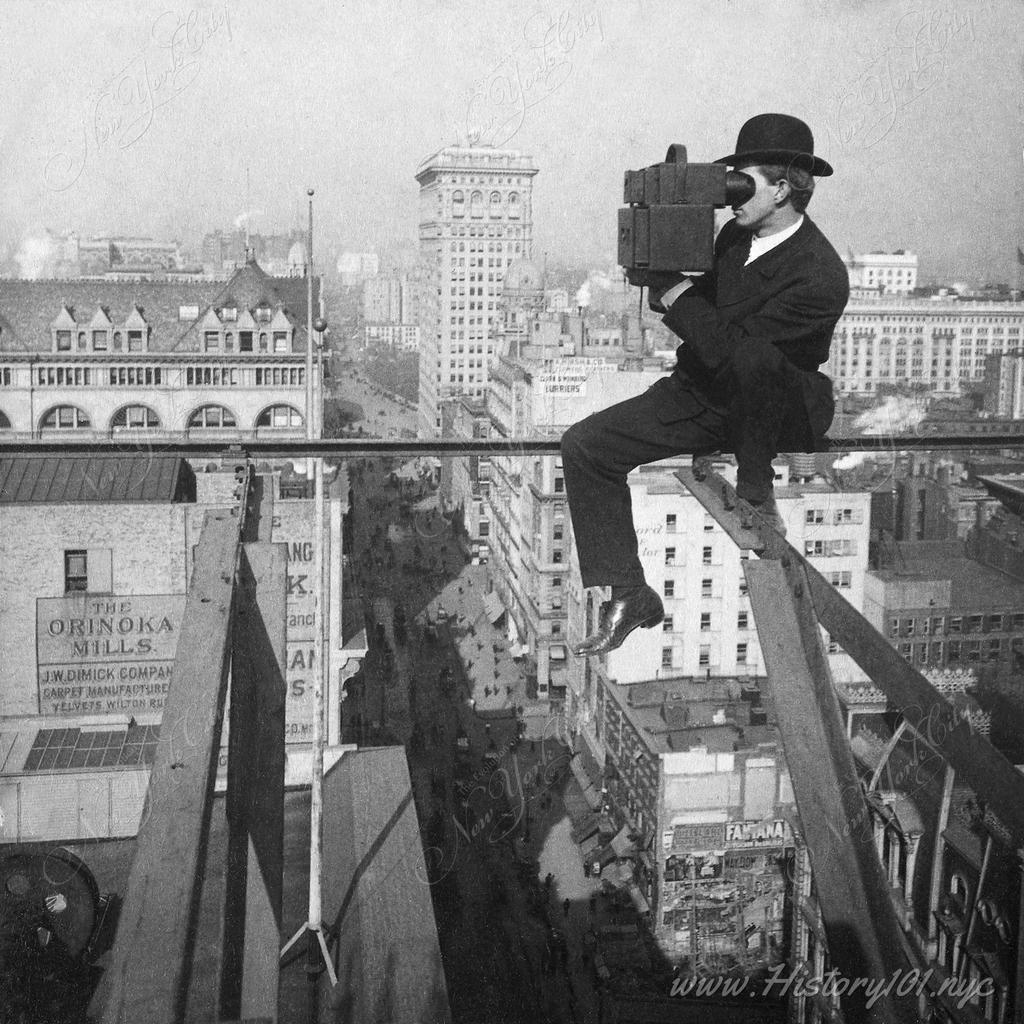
29 308
78 479
971 583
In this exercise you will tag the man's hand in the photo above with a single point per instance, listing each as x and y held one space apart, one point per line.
657 282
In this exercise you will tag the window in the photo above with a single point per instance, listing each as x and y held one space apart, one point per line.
76 575
742 621
706 556
556 581
814 516
211 341
99 341
667 624
63 341
955 624
557 531
709 523
264 341
245 341
741 654
670 588
212 417
134 417
559 485
704 658
670 522
670 556
280 341
705 621
666 657
706 588
65 417
279 416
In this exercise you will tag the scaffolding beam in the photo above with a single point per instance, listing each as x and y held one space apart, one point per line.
864 937
150 964
255 792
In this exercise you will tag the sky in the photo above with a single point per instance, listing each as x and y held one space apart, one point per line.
149 118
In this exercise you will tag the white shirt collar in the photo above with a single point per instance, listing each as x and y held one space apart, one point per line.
759 246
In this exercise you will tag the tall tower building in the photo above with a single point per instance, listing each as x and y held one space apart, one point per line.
476 218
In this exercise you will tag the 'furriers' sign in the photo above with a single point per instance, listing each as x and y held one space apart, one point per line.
105 655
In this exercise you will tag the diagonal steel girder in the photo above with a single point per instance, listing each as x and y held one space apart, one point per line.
936 720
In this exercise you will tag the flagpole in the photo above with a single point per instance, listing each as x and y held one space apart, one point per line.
316 944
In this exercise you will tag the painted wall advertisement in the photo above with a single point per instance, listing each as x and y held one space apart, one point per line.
106 654
100 655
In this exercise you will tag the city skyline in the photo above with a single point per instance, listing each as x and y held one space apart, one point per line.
172 121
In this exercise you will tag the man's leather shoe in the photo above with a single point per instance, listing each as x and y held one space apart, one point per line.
619 618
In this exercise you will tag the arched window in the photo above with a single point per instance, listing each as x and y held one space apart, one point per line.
65 417
264 341
476 204
279 416
458 203
212 417
495 204
5 422
134 417
513 204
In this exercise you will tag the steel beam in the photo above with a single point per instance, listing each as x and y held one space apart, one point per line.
936 720
252 447
864 937
255 791
150 964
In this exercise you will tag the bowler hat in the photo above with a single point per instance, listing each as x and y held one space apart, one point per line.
777 139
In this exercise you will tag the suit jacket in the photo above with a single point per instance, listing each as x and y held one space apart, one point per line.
791 297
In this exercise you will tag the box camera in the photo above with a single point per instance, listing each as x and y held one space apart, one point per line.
669 224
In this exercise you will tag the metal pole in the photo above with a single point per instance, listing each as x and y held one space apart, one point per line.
309 323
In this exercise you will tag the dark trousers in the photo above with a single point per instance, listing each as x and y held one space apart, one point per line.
767 412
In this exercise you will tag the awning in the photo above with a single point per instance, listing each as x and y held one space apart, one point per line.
493 607
591 795
589 826
622 844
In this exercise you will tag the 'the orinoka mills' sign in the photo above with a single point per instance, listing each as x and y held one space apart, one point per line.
102 654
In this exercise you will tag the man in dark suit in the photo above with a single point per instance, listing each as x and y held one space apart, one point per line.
755 330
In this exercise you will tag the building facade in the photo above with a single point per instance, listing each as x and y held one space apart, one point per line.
939 344
476 218
150 358
888 273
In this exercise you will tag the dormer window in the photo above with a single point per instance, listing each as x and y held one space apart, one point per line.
263 313
280 341
63 341
229 313
264 341
229 342
245 341
118 341
135 341
99 341
211 341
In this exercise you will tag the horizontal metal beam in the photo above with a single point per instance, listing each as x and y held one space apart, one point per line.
346 447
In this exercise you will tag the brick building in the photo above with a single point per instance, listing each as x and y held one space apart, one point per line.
95 558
